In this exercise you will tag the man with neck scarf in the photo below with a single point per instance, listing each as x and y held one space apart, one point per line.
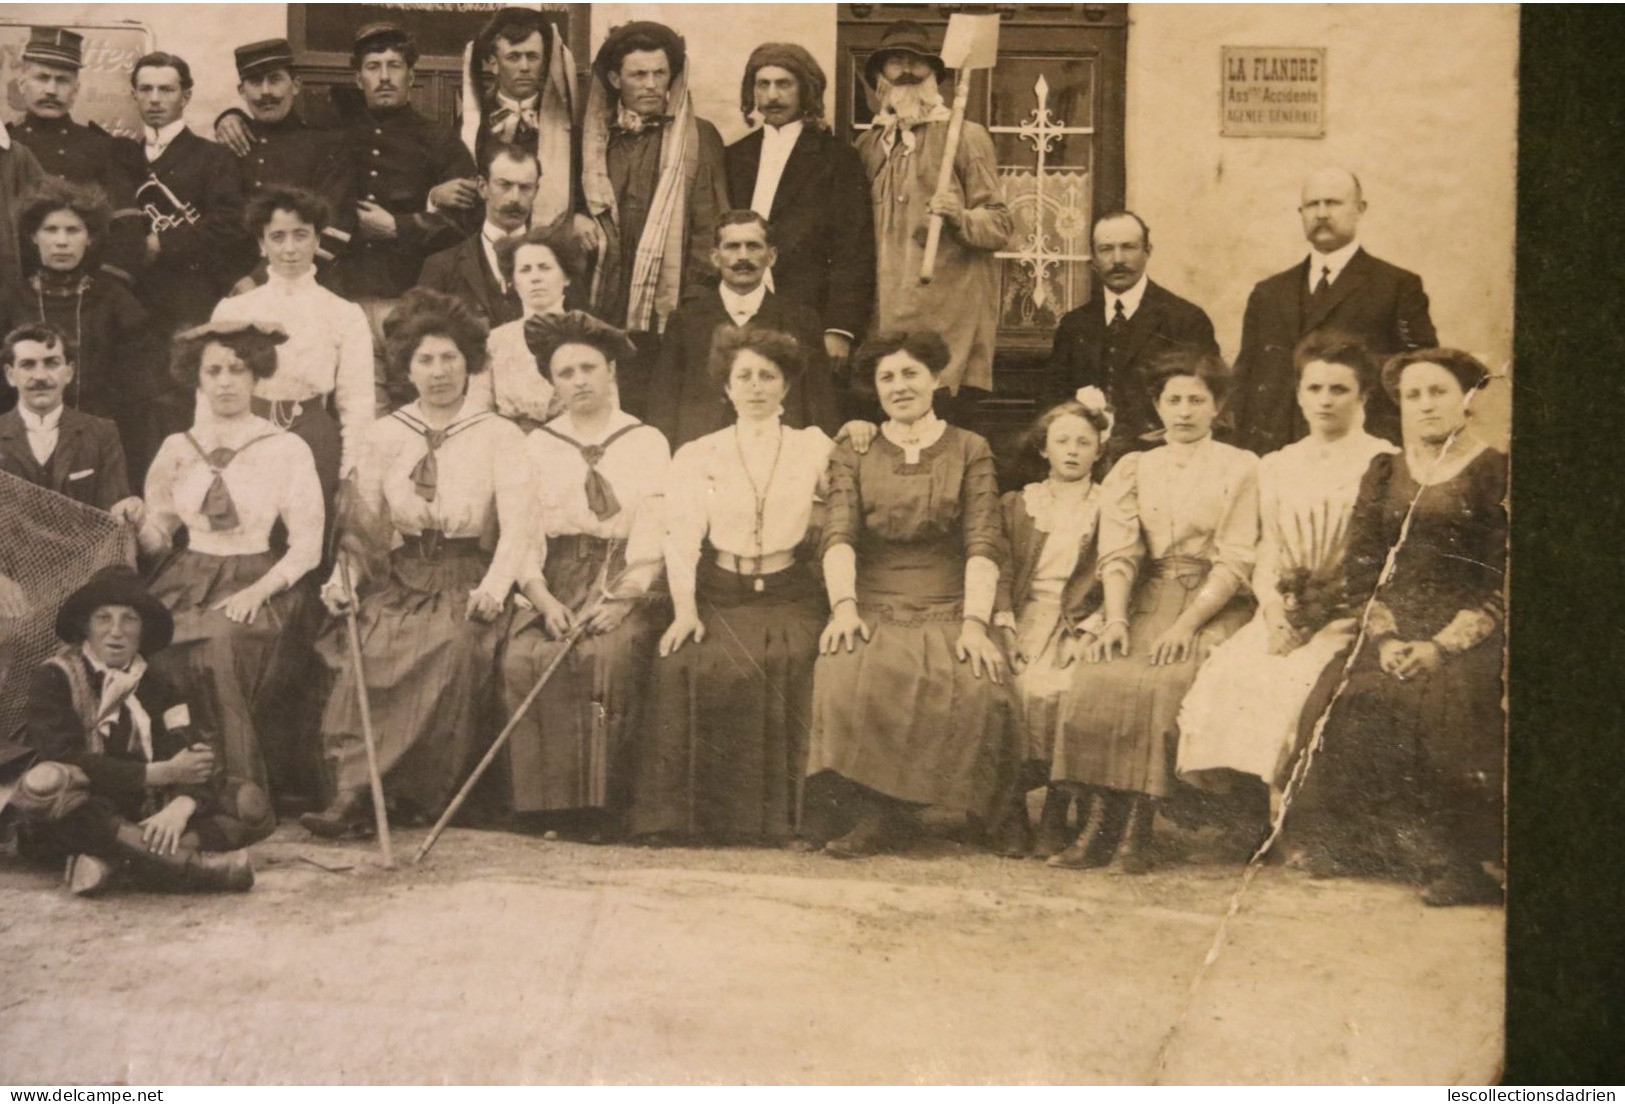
811 185
652 173
902 153
122 782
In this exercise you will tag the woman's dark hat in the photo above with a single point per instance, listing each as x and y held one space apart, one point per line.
903 37
116 586
546 333
221 328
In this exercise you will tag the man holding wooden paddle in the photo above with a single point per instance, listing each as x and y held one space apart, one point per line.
926 165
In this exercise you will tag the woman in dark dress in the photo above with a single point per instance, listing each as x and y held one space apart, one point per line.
62 228
1407 777
727 741
911 706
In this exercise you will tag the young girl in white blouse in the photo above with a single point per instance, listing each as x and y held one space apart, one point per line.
227 481
440 486
1046 592
727 742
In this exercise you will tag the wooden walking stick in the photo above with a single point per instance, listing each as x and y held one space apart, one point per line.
380 814
971 42
501 741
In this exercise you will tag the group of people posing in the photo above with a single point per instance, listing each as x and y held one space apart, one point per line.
739 582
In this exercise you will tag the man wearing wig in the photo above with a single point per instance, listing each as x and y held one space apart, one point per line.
812 187
902 152
653 177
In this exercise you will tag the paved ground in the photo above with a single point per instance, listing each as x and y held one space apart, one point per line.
517 959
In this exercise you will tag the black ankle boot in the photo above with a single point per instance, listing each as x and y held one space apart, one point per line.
1052 833
342 818
1134 854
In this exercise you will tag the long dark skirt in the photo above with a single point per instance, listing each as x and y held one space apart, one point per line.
312 423
572 750
1409 774
430 677
727 744
218 665
1119 720
902 716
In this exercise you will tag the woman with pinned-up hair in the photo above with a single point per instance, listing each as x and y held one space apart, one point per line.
1178 532
227 481
911 701
438 489
594 521
727 742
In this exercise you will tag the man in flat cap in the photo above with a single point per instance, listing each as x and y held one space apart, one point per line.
415 182
191 191
902 152
78 153
652 172
812 187
277 148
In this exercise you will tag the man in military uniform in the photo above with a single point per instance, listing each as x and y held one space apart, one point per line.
192 194
79 153
415 181
276 147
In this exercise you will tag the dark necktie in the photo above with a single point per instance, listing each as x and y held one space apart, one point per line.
1119 319
218 506
1324 287
601 498
426 472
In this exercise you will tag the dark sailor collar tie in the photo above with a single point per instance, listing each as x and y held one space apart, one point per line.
426 472
218 506
601 498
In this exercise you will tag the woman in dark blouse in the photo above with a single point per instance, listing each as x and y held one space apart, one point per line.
1407 776
910 703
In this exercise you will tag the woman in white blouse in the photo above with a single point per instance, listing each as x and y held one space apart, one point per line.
227 481
540 265
1178 528
327 358
438 489
1241 717
727 743
594 519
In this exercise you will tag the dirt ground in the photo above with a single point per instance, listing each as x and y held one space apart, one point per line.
513 959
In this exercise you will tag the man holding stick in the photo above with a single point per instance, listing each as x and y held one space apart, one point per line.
903 153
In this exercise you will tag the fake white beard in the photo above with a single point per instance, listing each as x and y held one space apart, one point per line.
911 103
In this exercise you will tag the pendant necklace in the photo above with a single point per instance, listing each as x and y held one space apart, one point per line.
760 496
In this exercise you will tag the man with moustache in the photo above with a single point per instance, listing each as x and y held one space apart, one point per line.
811 186
276 147
470 270
1339 286
1109 341
684 402
78 153
191 192
653 178
902 153
414 180
49 443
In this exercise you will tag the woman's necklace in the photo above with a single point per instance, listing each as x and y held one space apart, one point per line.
759 521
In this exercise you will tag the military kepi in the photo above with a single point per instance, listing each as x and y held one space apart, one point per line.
258 58
55 46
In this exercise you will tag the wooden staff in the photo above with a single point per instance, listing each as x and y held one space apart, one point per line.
945 175
971 42
380 814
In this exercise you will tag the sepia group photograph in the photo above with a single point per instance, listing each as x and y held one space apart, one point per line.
773 544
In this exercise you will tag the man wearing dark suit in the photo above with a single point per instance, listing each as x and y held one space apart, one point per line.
1339 286
1110 340
470 270
812 186
192 194
685 402
52 445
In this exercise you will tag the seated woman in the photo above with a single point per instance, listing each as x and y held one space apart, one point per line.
121 779
594 519
1241 717
540 265
228 480
727 740
430 551
117 356
910 707
1407 776
327 360
1046 592
1178 528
